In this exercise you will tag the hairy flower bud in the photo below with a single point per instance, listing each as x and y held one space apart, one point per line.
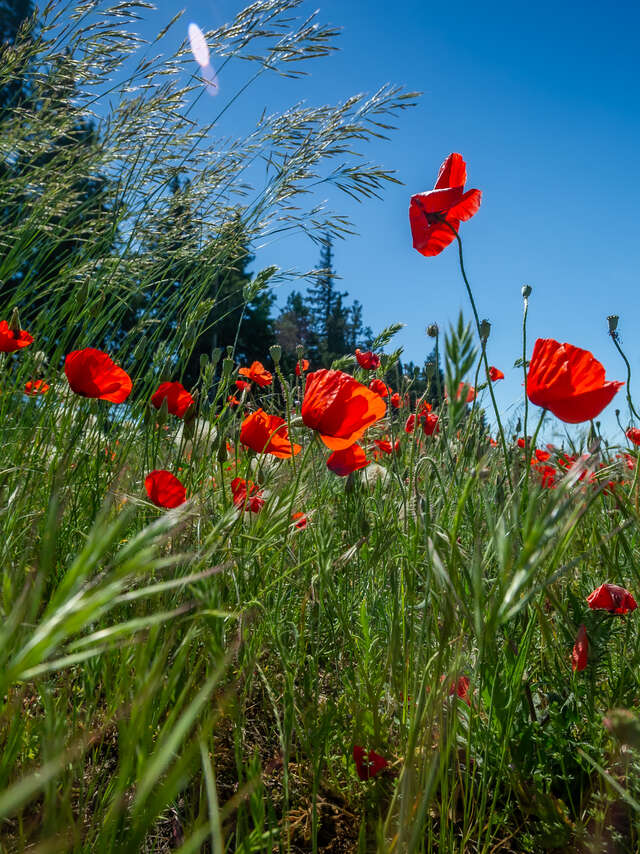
526 291
299 351
613 324
485 331
14 323
227 367
432 330
215 357
276 353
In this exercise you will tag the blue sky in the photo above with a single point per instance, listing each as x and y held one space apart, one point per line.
542 102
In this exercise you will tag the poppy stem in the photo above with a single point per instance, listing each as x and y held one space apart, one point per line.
614 338
484 354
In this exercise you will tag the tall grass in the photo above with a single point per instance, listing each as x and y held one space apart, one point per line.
196 679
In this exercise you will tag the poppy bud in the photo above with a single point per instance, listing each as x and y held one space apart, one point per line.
222 452
613 324
227 367
148 413
163 414
229 351
40 358
432 330
165 373
485 331
14 323
204 361
299 351
526 291
430 369
215 357
276 353
96 307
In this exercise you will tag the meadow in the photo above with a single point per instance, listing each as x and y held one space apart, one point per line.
282 606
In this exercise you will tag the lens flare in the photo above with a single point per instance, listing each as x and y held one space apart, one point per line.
199 46
210 79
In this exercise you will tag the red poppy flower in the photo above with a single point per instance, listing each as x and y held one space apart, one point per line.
495 374
369 361
435 215
11 341
612 598
242 385
92 373
347 460
339 408
246 495
300 519
386 446
379 387
232 400
430 424
580 651
300 369
461 689
493 442
164 489
33 389
178 398
464 392
633 435
396 401
410 424
258 374
547 474
568 381
368 764
628 460
542 456
267 434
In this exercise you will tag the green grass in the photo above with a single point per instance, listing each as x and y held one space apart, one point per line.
197 678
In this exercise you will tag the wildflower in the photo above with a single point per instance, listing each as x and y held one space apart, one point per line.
232 400
580 650
347 460
369 361
177 397
547 474
379 387
300 519
430 424
495 374
339 408
410 424
435 215
246 495
301 367
12 340
242 385
464 392
568 381
542 456
92 373
633 435
258 374
267 434
164 489
368 764
461 689
33 389
396 401
386 446
612 598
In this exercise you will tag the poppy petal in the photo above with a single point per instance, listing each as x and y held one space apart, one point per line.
453 172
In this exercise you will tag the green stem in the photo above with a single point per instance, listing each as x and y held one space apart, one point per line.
632 410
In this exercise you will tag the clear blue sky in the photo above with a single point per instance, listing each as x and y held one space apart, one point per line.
542 101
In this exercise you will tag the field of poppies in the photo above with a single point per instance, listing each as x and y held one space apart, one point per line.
304 611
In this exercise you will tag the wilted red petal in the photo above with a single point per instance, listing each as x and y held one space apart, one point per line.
164 489
347 460
300 519
36 387
301 367
92 373
369 361
495 374
246 495
633 435
379 387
